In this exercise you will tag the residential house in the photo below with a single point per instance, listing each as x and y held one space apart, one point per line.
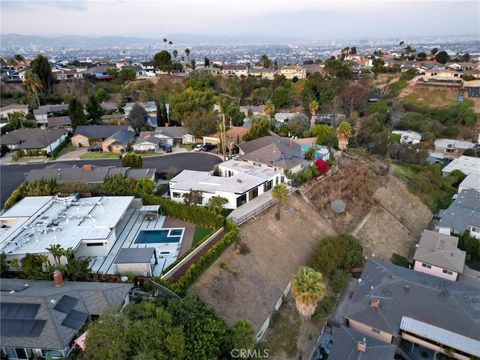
86 174
173 135
119 142
466 164
410 309
120 64
139 71
149 106
59 122
235 70
293 71
208 70
6 111
348 344
238 187
252 110
34 139
86 135
67 74
147 141
234 135
437 254
283 117
452 148
408 137
42 319
273 151
263 73
45 111
313 68
99 72
463 214
471 181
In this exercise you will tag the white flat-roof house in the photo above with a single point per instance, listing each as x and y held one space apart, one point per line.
408 137
466 164
239 182
150 107
472 181
88 225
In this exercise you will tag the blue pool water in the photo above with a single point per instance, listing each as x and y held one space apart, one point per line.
159 236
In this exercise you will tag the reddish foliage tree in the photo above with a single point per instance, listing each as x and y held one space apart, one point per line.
321 166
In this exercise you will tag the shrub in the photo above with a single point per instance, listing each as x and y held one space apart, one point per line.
325 307
339 281
133 161
400 260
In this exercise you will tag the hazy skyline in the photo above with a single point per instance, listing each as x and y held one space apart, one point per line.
277 18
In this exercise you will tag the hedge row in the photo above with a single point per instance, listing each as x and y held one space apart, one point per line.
195 270
195 214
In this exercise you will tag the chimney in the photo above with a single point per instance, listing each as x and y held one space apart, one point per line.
362 346
87 167
57 278
375 303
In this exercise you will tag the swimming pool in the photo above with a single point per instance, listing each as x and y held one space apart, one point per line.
162 236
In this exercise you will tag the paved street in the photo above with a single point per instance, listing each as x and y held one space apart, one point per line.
13 175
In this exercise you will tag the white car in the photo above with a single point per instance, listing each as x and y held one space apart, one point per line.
198 147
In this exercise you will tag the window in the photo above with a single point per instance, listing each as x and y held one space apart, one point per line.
176 195
474 229
94 244
376 331
448 272
428 266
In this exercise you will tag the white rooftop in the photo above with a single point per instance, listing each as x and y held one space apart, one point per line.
248 168
202 180
466 164
26 207
63 221
472 181
457 144
408 134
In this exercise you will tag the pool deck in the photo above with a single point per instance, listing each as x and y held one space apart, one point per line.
132 223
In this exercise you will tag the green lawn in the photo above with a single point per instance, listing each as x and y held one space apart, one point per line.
99 155
66 149
199 235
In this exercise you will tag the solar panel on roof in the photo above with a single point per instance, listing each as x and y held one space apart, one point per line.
18 311
12 287
74 319
66 304
22 327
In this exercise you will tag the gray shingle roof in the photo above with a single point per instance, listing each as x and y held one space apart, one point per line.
65 173
45 109
403 292
345 342
99 131
59 121
122 137
175 132
463 212
274 151
32 138
94 298
440 250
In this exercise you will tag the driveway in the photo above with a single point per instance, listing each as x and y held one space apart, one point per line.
73 155
12 176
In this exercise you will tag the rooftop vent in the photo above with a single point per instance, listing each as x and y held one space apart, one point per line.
362 345
406 287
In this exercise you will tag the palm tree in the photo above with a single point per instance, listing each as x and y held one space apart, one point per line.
344 133
187 52
175 53
165 44
223 104
170 43
32 85
57 252
269 109
279 193
314 105
307 289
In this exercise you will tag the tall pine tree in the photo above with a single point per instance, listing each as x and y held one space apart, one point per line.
75 111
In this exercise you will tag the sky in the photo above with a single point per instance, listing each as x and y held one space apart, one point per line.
296 19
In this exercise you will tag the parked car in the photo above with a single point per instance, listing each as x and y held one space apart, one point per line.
208 147
167 148
198 147
95 148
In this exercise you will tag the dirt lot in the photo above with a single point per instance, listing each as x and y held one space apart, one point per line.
248 286
379 209
354 183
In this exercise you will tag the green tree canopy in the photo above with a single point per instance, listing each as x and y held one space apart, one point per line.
138 117
163 61
94 110
41 67
442 57
132 160
185 103
75 112
325 135
336 68
259 127
193 197
201 123
264 62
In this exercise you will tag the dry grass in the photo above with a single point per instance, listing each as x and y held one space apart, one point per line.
429 97
277 249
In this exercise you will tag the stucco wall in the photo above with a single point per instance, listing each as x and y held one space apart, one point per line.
367 330
434 270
